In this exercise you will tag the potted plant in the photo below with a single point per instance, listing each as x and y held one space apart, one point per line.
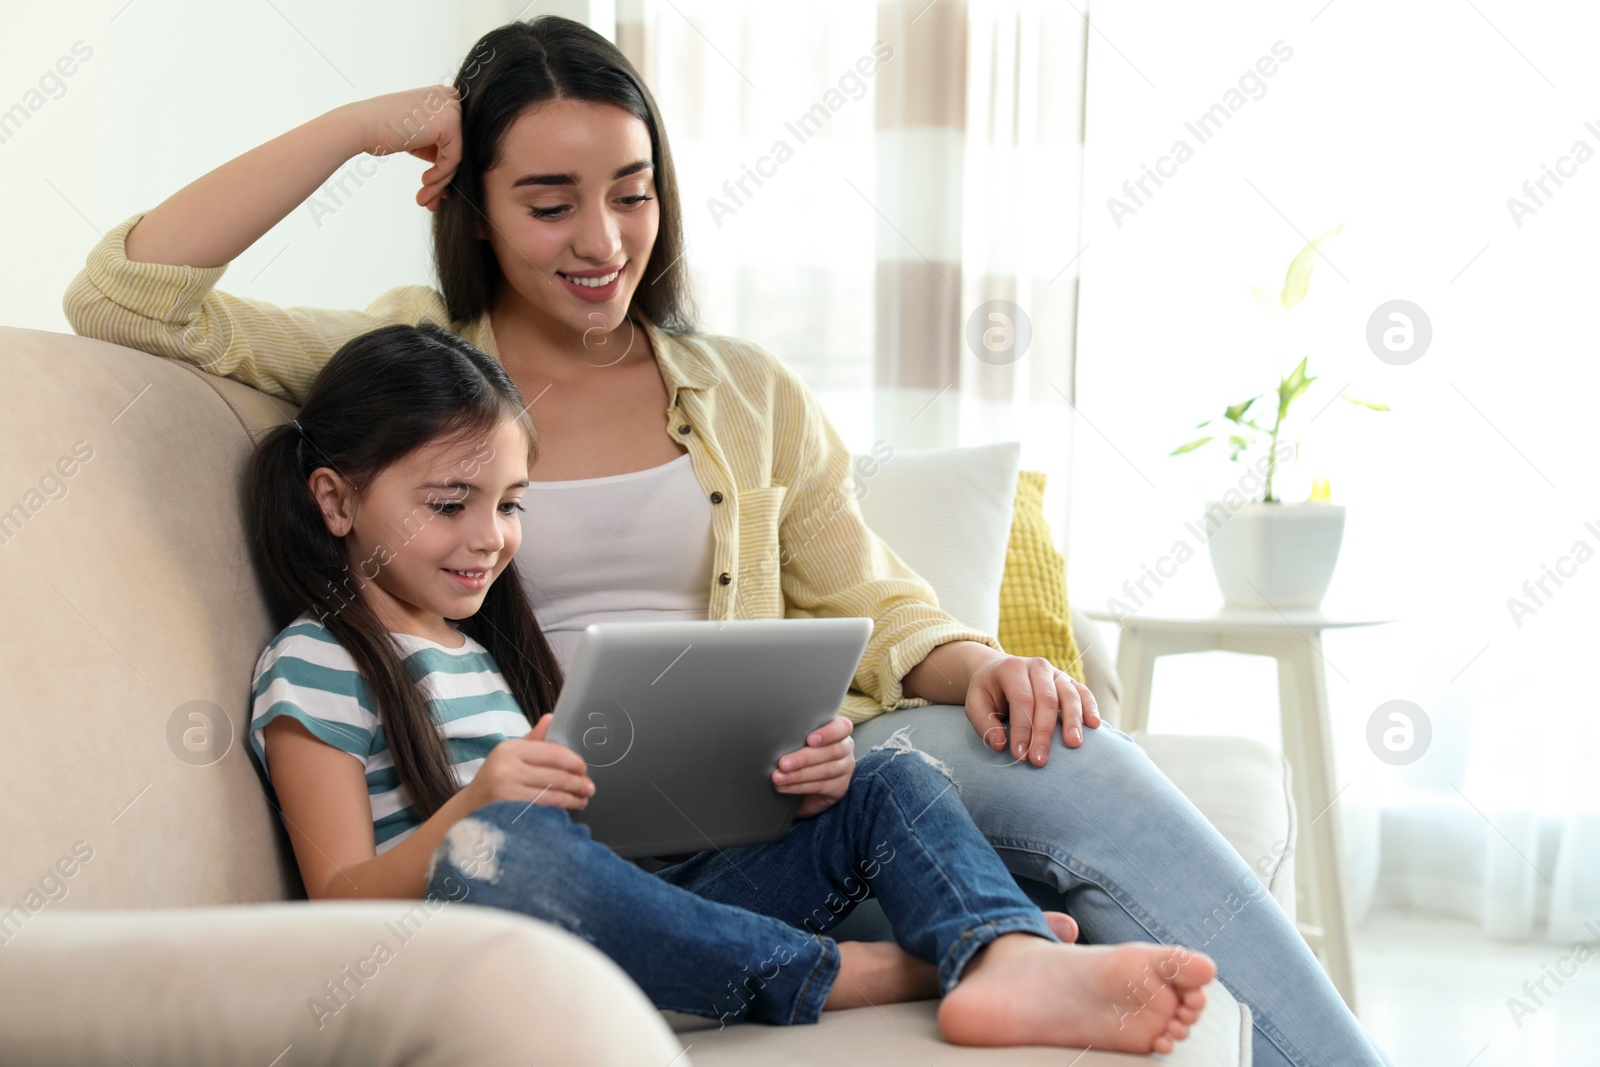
1267 553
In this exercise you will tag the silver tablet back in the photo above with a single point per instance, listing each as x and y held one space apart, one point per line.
682 724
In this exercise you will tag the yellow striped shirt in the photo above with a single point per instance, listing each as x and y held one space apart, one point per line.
788 537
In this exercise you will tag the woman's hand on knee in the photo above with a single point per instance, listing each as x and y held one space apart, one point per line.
1029 695
821 771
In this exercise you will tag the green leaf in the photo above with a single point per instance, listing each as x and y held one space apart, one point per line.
1236 412
1266 296
1296 383
1236 445
1295 377
1321 493
1373 404
1190 447
1298 278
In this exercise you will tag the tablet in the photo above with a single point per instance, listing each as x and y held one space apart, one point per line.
683 723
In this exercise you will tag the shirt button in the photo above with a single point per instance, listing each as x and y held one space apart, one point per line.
725 578
684 428
716 497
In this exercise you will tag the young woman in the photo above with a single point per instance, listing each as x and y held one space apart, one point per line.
390 506
559 249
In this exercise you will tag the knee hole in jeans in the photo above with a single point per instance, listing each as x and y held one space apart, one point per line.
899 744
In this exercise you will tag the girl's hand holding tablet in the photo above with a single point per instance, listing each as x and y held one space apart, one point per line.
821 770
532 770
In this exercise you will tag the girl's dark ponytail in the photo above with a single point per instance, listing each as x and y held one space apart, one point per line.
380 397
281 503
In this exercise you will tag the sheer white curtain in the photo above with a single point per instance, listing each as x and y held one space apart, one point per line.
1479 481
772 251
859 180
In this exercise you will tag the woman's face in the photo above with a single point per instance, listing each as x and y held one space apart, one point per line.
570 204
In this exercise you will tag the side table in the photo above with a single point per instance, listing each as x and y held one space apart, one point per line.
1293 638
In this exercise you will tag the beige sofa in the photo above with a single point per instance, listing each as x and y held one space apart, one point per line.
150 909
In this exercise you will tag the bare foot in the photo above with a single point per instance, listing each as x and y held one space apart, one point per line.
1024 990
880 972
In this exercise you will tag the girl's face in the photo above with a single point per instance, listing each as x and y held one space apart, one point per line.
433 530
572 214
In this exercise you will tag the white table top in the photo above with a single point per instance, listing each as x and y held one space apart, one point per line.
1220 618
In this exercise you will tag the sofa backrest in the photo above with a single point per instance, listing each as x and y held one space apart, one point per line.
134 616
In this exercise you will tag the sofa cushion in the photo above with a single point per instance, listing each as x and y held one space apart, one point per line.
1034 617
947 513
907 1035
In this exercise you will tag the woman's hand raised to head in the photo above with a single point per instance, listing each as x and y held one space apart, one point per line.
534 771
424 122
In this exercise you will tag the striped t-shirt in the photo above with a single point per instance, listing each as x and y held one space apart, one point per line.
307 675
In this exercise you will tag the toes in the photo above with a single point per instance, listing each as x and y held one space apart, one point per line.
1062 925
1184 969
1198 970
1162 1044
1177 1030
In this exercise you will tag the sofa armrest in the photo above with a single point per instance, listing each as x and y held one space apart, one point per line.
372 982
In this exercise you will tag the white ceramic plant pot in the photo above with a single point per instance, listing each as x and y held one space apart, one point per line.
1274 555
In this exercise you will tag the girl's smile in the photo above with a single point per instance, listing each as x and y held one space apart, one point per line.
469 581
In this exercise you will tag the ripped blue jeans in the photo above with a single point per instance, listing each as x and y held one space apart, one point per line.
740 934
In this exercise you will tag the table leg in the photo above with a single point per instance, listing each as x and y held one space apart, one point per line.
1136 663
1308 743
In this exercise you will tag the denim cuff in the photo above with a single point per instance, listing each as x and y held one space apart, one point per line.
967 945
814 992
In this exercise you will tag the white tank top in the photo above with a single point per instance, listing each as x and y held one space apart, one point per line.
629 547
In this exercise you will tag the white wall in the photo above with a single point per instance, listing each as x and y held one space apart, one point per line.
170 90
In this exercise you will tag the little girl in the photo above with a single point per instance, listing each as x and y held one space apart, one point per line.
388 514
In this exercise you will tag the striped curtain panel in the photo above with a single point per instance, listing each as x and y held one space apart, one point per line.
888 196
979 149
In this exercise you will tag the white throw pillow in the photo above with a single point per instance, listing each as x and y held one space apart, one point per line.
947 513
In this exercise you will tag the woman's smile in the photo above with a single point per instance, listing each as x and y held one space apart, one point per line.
595 286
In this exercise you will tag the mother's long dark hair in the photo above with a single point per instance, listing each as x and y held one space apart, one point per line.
383 395
509 70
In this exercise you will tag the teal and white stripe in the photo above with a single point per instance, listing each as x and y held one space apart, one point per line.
306 674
